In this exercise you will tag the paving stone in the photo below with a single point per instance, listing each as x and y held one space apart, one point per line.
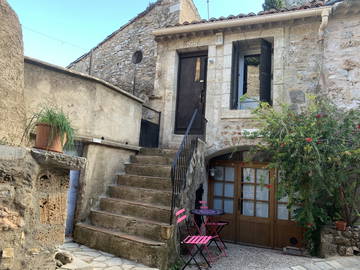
114 262
114 268
323 266
335 264
311 266
298 268
98 264
101 258
77 264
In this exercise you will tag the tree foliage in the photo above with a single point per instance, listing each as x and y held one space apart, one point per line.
317 153
273 4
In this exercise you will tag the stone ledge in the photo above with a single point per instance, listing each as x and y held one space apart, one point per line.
58 160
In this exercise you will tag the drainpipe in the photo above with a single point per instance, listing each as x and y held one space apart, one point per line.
324 23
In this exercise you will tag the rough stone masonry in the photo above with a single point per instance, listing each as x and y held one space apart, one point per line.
33 190
111 60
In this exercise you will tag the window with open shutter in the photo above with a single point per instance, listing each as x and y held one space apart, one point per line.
251 74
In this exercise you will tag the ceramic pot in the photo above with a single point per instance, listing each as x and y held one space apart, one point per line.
340 225
47 141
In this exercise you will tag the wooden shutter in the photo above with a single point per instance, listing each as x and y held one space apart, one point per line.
265 71
234 97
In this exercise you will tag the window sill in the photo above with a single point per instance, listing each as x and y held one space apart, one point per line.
237 114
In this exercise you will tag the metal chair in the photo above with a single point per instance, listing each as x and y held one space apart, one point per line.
214 228
194 243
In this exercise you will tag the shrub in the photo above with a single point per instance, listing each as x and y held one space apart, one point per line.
317 152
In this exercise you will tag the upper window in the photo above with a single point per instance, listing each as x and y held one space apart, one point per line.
251 74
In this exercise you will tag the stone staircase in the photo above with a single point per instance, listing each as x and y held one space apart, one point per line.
133 222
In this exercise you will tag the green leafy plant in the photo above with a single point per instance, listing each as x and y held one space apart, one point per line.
273 4
317 152
177 265
59 122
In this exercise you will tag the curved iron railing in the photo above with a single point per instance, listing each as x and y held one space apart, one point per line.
181 162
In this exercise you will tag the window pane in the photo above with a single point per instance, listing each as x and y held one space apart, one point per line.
218 204
218 189
262 193
283 212
262 176
219 173
229 174
249 175
248 208
248 191
262 209
228 206
229 190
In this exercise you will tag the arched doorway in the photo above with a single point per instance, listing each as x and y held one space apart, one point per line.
245 188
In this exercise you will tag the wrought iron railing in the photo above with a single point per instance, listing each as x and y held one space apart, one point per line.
182 160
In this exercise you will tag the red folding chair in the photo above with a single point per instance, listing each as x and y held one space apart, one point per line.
214 228
194 243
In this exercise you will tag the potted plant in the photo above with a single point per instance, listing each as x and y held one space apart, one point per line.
54 131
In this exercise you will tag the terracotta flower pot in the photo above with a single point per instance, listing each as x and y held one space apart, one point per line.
47 141
340 225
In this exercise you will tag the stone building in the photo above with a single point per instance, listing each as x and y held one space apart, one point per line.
209 66
112 59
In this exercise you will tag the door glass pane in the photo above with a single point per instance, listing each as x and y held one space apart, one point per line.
248 208
248 191
228 206
282 212
218 204
262 193
229 190
262 176
218 189
219 173
262 209
229 174
249 175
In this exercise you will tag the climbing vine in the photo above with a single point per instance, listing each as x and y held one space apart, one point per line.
317 153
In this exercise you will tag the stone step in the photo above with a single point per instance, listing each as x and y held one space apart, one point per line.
127 246
150 182
155 160
136 209
158 152
151 196
148 170
149 229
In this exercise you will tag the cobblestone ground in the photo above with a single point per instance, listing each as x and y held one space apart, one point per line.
239 258
90 259
252 258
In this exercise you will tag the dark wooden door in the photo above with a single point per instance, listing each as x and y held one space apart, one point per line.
247 193
191 92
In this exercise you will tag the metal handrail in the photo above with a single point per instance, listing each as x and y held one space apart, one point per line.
181 163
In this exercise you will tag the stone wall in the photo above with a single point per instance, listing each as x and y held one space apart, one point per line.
33 190
11 77
302 65
341 70
111 60
96 109
343 243
196 176
103 165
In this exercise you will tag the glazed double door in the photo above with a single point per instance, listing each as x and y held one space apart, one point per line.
247 194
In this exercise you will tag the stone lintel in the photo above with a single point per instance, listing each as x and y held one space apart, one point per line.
58 160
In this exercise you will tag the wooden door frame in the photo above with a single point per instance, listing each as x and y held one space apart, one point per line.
201 53
273 203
